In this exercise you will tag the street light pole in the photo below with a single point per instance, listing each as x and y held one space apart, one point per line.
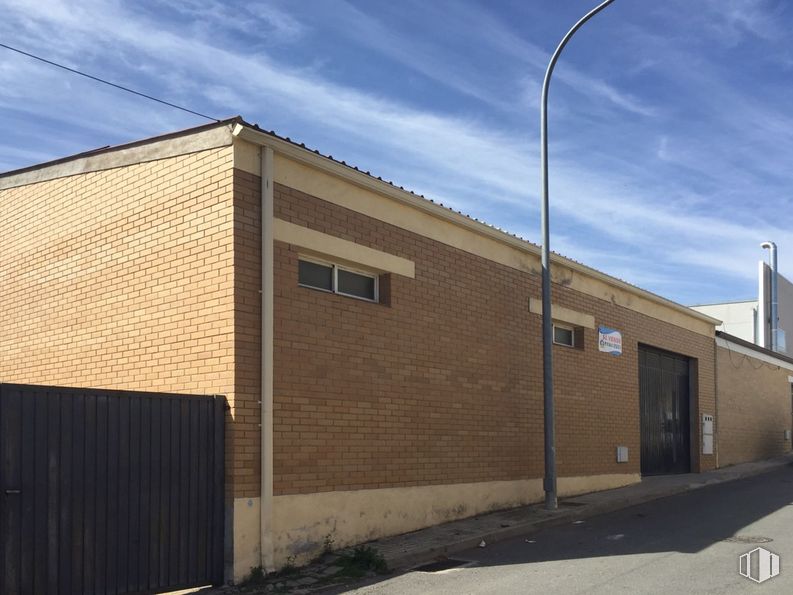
549 482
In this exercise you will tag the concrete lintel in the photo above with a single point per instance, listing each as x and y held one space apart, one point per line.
563 314
350 252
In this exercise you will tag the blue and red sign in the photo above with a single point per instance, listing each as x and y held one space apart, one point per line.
609 340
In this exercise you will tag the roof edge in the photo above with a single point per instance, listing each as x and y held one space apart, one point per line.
96 159
253 134
757 348
137 152
724 303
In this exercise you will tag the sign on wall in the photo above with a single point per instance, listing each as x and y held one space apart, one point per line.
609 340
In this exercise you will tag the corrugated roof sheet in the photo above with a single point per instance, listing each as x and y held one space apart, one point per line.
240 120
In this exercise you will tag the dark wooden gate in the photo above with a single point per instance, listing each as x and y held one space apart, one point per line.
664 404
109 491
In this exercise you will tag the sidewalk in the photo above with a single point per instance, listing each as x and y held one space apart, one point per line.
404 551
328 573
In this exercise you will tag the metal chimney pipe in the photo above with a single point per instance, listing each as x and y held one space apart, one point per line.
774 297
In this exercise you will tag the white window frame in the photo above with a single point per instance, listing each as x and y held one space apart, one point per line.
335 278
369 274
324 264
567 328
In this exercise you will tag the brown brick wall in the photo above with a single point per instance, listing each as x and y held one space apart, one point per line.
147 277
443 384
247 338
124 279
754 408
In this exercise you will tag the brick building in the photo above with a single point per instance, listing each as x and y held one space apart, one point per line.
755 396
388 346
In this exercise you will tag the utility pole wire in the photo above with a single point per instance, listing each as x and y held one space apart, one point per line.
99 80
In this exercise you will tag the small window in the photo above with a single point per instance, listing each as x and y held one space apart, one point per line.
330 277
563 336
312 274
356 284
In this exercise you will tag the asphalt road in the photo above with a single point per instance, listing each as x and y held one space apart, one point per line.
682 544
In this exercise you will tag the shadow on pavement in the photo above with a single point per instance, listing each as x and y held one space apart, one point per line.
685 523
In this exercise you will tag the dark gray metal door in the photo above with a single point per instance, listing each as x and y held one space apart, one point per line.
664 406
109 491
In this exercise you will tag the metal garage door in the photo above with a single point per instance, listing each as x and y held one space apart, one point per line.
664 404
109 491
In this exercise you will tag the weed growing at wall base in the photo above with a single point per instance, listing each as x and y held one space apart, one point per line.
361 560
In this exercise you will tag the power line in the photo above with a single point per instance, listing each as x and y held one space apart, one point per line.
95 78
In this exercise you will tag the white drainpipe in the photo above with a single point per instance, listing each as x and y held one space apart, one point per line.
266 493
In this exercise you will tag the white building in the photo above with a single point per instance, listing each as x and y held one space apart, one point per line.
750 320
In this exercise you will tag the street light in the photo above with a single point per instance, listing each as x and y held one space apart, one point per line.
549 481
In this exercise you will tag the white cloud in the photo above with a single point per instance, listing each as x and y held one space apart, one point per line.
730 20
463 161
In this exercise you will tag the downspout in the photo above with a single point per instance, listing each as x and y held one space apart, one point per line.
266 493
774 297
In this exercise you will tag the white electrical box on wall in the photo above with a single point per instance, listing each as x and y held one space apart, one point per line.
622 454
707 434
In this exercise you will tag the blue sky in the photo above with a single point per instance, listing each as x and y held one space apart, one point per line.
671 123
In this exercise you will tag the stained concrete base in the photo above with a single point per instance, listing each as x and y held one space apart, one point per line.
404 551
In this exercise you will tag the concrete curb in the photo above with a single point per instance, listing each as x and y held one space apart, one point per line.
413 558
